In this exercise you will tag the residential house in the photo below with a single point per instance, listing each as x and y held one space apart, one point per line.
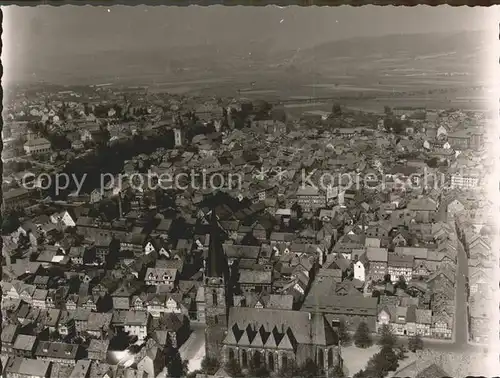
99 324
459 140
454 206
310 198
405 321
442 325
57 352
18 367
152 362
400 266
25 346
377 262
9 335
479 320
98 350
136 323
165 277
424 209
17 198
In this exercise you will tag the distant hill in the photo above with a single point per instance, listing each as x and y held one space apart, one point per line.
448 52
436 51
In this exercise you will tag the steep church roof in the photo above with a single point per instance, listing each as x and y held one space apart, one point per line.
216 262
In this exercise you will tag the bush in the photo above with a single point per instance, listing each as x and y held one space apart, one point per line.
415 343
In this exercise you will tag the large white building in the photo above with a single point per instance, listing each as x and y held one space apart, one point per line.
37 146
465 180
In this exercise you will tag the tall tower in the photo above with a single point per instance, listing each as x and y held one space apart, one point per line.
216 291
178 137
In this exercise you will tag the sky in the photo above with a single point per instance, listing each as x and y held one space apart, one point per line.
48 32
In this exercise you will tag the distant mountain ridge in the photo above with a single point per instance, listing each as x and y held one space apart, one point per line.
438 50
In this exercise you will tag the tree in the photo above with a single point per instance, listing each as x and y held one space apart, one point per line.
362 337
289 370
432 163
10 223
401 284
344 336
233 368
337 372
210 365
361 374
415 343
383 362
387 338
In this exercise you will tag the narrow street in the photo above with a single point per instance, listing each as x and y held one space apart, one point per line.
193 350
461 322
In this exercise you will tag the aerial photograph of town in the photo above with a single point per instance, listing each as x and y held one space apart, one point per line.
212 192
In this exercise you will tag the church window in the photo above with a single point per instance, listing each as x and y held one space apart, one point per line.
214 298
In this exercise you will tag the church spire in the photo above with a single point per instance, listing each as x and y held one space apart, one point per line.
216 264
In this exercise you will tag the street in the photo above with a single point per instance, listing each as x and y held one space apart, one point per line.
193 349
461 323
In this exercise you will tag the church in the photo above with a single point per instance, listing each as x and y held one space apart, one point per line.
279 336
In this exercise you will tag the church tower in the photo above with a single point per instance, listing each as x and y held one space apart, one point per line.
217 302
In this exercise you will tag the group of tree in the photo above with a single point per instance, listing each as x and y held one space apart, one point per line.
309 369
387 338
258 368
395 125
387 359
435 163
10 222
